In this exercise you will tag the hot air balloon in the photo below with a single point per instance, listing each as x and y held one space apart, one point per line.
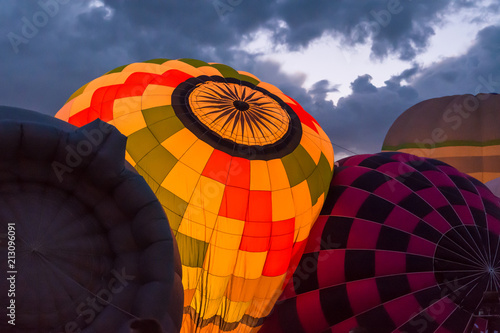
403 244
240 168
459 130
86 246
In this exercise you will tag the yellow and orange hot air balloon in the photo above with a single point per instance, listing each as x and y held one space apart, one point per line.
240 168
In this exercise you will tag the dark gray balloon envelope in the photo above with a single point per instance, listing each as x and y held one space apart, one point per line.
85 245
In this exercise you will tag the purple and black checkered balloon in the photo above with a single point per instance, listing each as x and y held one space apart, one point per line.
403 244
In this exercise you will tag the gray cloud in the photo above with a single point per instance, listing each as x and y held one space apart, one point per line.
45 60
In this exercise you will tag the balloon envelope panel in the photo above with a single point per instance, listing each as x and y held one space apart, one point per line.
460 130
403 244
240 168
90 245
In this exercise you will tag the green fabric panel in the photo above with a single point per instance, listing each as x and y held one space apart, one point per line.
293 170
158 61
116 70
194 62
319 180
151 182
174 220
154 115
451 143
164 129
140 142
158 163
249 79
77 93
305 160
175 206
227 71
192 251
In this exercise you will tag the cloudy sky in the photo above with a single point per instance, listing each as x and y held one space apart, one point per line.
355 65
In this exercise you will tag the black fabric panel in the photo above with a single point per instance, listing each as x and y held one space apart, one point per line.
333 195
336 233
336 301
306 275
370 181
416 205
421 165
393 239
453 195
457 321
450 215
415 181
375 209
376 320
415 263
491 209
479 216
375 161
463 183
391 287
428 296
425 231
421 323
288 316
359 264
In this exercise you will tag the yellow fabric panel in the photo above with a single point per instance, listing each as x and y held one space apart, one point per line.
144 67
249 265
455 151
242 290
226 241
485 176
327 148
155 101
274 90
183 67
157 90
219 261
261 307
179 142
181 181
208 195
209 70
301 198
269 287
234 311
277 175
81 102
197 156
301 230
282 203
249 74
207 294
129 159
65 112
197 223
312 148
259 176
106 80
130 123
188 295
305 221
122 107
190 278
230 226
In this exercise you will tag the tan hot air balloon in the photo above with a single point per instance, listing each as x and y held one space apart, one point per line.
461 130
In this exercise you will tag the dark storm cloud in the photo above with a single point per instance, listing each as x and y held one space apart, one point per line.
52 47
